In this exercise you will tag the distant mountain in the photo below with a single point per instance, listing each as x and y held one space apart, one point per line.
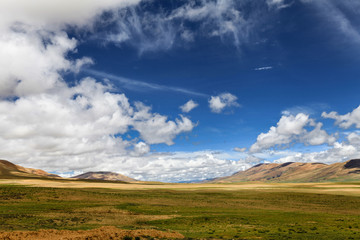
107 176
297 172
10 170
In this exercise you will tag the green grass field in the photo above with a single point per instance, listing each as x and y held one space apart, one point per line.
204 213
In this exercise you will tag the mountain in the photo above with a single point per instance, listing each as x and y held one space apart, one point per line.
107 176
10 170
297 172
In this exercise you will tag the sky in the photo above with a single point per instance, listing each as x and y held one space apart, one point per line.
175 91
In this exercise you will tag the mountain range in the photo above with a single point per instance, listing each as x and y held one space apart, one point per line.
107 176
297 172
10 170
265 172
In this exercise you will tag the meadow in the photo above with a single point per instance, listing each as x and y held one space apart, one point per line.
228 211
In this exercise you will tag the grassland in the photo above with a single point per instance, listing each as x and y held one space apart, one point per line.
244 211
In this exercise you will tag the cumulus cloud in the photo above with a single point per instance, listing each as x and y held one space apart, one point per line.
346 120
28 65
82 119
47 124
56 14
218 103
175 166
155 128
81 63
140 149
188 106
296 131
291 129
34 44
341 151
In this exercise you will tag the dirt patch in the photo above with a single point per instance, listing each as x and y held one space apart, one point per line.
102 233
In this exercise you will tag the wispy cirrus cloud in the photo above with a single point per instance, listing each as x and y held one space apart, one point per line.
137 85
279 4
236 22
263 68
340 17
156 29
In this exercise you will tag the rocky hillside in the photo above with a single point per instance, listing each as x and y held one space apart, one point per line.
10 170
297 172
107 176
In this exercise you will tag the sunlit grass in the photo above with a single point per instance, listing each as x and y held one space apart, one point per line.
249 213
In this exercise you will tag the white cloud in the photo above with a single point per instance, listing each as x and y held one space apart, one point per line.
47 124
188 106
146 31
291 129
158 29
34 45
317 136
237 149
278 4
263 68
137 85
339 152
346 120
77 127
187 36
275 2
223 18
354 139
56 13
28 66
173 167
224 100
155 128
309 109
341 16
140 149
253 160
80 63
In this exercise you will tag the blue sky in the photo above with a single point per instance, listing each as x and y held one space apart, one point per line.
270 80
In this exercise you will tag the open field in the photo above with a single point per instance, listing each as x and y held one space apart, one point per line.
239 211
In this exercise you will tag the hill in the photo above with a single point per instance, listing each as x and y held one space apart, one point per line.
107 176
10 170
297 172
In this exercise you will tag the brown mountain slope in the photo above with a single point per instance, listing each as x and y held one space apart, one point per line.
297 172
10 170
107 176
